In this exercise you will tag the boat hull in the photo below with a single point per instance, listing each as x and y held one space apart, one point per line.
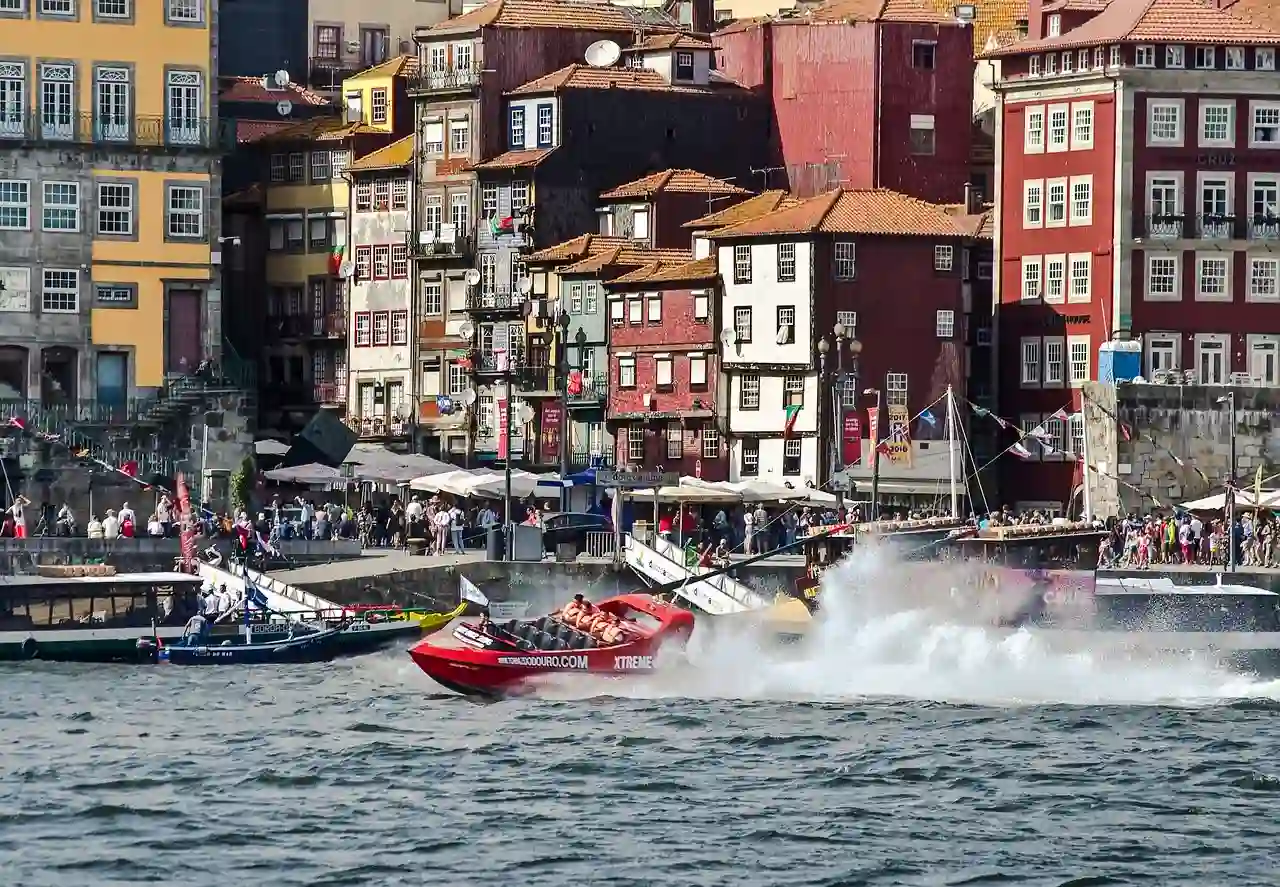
319 647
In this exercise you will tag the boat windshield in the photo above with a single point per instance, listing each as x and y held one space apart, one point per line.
643 620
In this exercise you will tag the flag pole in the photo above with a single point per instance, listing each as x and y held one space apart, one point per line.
951 451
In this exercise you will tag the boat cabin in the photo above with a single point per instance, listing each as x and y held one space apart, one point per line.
32 603
1070 546
827 545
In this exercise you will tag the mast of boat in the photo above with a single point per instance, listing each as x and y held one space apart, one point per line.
951 451
248 623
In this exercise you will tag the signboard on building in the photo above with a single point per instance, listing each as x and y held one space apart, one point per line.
637 480
899 435
549 436
851 439
503 442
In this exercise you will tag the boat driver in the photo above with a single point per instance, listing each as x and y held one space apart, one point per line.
570 612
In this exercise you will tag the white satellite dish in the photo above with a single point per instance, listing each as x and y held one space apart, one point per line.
525 414
282 78
284 108
728 337
347 268
524 285
472 277
603 54
467 330
469 396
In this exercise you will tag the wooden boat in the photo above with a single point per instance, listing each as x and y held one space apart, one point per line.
320 646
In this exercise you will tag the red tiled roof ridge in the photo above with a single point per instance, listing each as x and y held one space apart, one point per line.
294 91
675 181
871 212
588 15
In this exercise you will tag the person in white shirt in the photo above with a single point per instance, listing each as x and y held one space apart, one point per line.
413 511
455 527
154 527
18 510
110 525
126 514
749 534
94 529
442 522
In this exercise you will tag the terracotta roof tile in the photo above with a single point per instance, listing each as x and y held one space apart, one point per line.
992 18
1075 6
449 166
586 77
627 255
1265 13
577 248
658 272
250 89
517 159
400 66
870 212
750 208
674 181
397 155
670 41
252 130
880 11
578 15
320 129
980 225
1154 21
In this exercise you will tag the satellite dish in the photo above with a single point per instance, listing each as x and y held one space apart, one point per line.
472 277
524 285
285 108
469 396
728 337
346 269
282 78
467 330
525 414
603 54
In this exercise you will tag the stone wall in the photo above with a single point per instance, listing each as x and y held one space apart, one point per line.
143 555
1170 423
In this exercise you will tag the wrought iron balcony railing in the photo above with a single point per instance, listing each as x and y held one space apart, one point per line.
54 414
580 457
324 67
491 362
329 392
378 426
444 81
445 241
40 128
1165 225
309 326
594 392
1264 227
1212 226
482 299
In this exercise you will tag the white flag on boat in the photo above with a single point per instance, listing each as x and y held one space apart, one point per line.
469 592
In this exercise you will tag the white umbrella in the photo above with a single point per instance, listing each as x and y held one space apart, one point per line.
431 483
1244 498
690 489
763 491
523 485
819 497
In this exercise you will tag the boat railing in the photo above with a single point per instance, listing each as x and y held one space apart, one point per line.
1032 531
882 527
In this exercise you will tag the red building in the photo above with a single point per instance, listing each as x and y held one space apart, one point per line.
663 369
865 94
1138 199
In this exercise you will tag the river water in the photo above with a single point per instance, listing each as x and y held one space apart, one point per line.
899 747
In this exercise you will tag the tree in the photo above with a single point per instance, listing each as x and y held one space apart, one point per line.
242 485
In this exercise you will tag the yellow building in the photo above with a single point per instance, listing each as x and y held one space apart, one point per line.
108 170
377 97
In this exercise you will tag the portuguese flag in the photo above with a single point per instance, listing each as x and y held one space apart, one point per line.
788 429
498 227
335 259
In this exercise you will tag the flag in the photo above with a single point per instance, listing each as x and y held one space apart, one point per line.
129 468
499 226
1062 415
268 547
884 449
788 429
468 591
929 418
1020 451
1040 433
335 259
254 595
1126 432
15 422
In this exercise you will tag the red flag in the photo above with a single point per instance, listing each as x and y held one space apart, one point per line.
1125 432
15 422
130 468
188 538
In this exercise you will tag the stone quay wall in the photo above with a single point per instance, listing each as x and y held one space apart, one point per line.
145 555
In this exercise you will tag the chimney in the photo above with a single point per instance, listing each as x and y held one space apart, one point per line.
971 199
1035 19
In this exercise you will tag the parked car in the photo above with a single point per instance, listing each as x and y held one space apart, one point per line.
572 527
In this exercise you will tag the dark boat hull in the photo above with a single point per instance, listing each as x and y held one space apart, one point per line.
318 647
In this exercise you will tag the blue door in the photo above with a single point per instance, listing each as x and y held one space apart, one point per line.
113 378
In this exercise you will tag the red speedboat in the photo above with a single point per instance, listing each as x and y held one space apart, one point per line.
498 659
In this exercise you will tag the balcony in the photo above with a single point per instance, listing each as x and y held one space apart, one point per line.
538 376
1165 226
586 458
494 300
379 427
159 133
329 393
1212 226
592 394
302 326
55 415
442 242
491 363
437 82
333 69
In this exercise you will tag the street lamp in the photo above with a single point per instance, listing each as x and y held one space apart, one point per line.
875 456
841 383
1230 401
562 361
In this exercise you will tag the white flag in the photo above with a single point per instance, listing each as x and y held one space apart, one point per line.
469 592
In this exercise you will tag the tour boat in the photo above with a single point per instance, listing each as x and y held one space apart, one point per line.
487 658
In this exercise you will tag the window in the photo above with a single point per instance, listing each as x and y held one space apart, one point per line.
1264 59
318 233
946 324
701 307
364 263
460 137
635 444
381 328
635 312
750 466
1164 122
1143 56
1082 126
786 334
1163 277
697 370
115 295
1068 63
433 137
546 127
57 7
845 253
786 262
61 206
432 299
364 196
104 8
1265 132
111 104
1215 207
382 262
684 66
185 10
15 205
575 298
1082 200
1211 358
626 371
749 392
1114 57
378 105
895 389
1235 58
1080 288
488 201
115 208
1058 129
1213 278
1098 58
1054 346
592 304
364 325
462 58
1166 207
1033 66
791 456
183 104
1033 203
1206 58
381 195
1078 352
742 324
923 141
1264 280
1217 124
616 317
460 210
793 391
653 309
1264 351
1162 353
1051 63
924 54
640 222
1055 279
184 212
61 291
1265 196
400 194
943 257
742 263
1055 25
1033 132
321 167
1056 216
399 261
663 371
675 441
399 327
1031 278
517 128
848 320
1175 56
710 442
1031 363
297 171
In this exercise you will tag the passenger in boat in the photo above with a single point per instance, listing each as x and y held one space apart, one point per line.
196 632
570 612
596 626
611 633
586 615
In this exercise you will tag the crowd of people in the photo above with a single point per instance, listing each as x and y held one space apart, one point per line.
1154 540
585 616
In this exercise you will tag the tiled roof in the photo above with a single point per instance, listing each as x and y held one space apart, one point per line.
250 89
980 225
517 159
750 208
578 248
628 255
586 77
252 130
578 15
674 181
877 211
400 66
657 272
1154 21
916 11
991 15
670 41
321 129
1261 12
991 18
1075 6
394 156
